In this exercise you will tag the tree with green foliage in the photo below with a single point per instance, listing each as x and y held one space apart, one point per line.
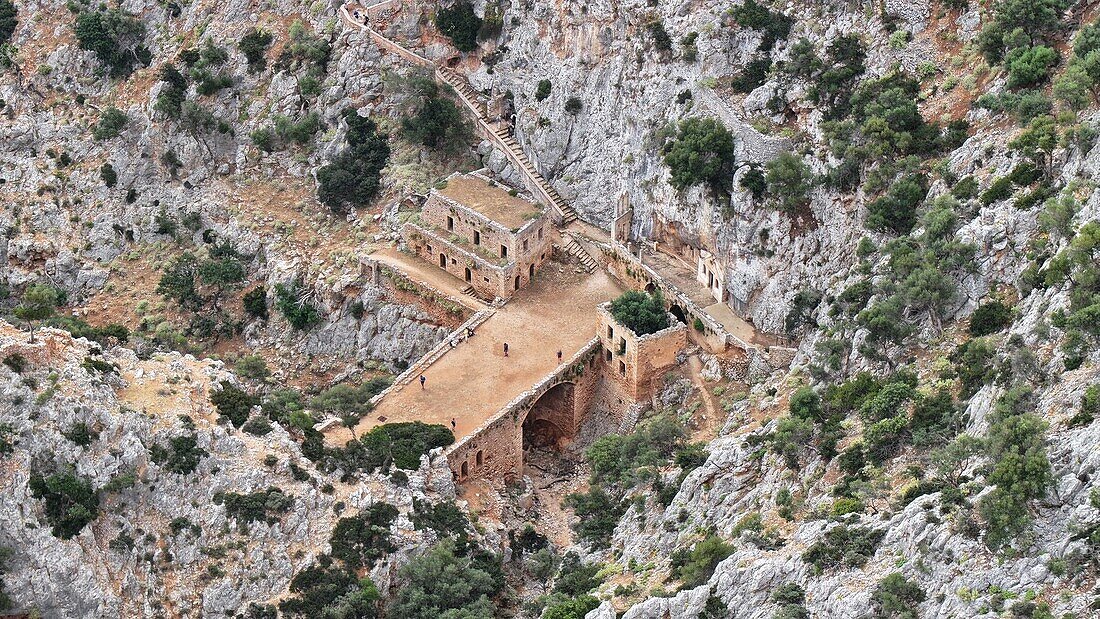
435 121
1029 66
896 211
1020 468
702 152
116 36
70 502
1038 142
255 302
694 566
896 598
179 281
542 91
362 539
39 302
301 314
111 123
442 583
990 318
233 403
254 45
640 312
1017 23
9 19
789 181
327 591
573 106
353 177
460 24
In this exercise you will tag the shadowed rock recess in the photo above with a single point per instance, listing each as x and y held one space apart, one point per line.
550 310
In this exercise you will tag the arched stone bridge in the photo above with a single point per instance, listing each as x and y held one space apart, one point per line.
549 414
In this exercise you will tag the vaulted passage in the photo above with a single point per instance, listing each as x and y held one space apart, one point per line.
549 424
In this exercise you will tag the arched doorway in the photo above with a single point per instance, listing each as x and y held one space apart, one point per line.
469 275
517 282
443 260
678 312
531 271
549 423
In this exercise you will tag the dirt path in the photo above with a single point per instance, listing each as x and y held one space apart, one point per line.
475 380
715 415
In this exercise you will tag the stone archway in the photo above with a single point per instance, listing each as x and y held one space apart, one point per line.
550 421
678 312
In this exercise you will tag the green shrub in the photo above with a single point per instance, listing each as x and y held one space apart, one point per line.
597 514
116 36
261 506
299 131
896 211
573 106
542 91
572 609
440 583
70 502
695 566
297 311
1016 445
182 455
662 42
896 598
974 364
1029 66
80 434
108 175
233 403
16 362
255 302
326 590
254 46
752 76
361 540
990 318
790 181
843 547
640 312
774 26
701 152
111 123
460 24
353 177
8 20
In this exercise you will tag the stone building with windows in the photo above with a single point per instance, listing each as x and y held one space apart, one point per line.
481 232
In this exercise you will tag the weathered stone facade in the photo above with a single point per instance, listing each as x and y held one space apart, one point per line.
637 362
618 371
477 231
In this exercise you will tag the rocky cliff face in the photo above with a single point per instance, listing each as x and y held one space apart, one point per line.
163 545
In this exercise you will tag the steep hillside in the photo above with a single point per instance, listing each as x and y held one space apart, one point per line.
902 191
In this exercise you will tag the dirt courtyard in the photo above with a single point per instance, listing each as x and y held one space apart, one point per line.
475 380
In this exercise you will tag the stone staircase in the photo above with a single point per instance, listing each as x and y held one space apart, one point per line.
474 103
573 248
568 214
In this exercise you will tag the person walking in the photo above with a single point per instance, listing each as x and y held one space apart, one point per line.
559 356
422 381
505 349
453 423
